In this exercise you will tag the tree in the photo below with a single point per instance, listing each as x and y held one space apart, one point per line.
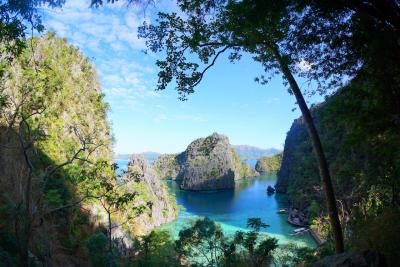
346 39
257 251
114 198
204 244
211 28
157 249
98 3
15 18
46 149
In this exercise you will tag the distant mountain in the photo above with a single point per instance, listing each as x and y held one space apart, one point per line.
149 156
253 153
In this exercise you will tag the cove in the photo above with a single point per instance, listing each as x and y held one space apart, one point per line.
231 208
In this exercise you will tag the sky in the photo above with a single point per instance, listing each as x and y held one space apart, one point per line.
227 101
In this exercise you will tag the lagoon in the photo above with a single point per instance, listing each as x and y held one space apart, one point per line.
231 208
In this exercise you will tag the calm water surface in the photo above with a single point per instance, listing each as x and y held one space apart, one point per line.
231 208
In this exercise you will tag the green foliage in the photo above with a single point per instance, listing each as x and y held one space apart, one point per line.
210 28
156 249
167 166
256 224
51 101
314 209
17 18
269 164
347 39
361 140
204 244
379 233
293 255
98 252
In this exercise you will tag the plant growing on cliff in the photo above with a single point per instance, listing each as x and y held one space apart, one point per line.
269 164
47 138
211 28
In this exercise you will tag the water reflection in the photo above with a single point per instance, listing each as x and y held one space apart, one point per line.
231 208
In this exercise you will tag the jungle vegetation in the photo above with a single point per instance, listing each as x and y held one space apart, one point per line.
54 161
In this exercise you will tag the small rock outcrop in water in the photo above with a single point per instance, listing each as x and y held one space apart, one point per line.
270 190
143 179
270 164
211 163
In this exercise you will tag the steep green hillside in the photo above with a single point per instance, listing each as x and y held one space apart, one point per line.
361 138
168 166
269 164
59 188
163 208
57 140
207 164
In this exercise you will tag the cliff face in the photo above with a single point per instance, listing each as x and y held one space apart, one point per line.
58 91
295 143
152 193
168 166
269 164
211 163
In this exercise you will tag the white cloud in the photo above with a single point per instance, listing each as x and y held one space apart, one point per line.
105 24
272 100
161 117
192 118
109 35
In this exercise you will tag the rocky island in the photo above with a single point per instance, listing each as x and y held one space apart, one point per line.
209 163
161 206
270 164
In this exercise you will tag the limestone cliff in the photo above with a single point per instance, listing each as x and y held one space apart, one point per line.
294 144
211 163
152 193
168 166
270 164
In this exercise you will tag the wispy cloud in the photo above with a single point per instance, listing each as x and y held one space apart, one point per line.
192 118
108 35
272 100
106 25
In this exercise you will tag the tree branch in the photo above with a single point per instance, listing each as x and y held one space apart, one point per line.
212 64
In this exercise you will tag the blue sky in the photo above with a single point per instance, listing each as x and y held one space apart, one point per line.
227 101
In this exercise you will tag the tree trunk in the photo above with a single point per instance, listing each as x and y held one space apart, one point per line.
318 150
109 231
27 220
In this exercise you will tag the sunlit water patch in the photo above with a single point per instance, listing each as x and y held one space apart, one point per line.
232 208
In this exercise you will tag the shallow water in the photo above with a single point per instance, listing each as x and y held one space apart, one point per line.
231 208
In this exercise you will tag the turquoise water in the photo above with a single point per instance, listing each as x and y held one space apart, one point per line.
231 208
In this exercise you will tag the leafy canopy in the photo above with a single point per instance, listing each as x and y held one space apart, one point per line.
209 29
